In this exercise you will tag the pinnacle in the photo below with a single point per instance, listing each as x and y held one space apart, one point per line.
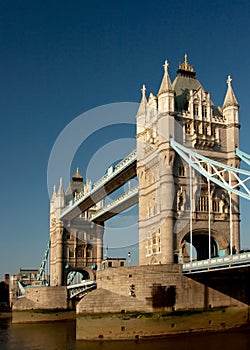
230 99
166 84
143 103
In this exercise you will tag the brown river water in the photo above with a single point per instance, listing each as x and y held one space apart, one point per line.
61 335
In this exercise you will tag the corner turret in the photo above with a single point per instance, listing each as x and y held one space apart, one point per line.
142 111
166 92
60 198
230 106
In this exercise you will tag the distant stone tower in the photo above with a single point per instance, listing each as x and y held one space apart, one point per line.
76 245
184 111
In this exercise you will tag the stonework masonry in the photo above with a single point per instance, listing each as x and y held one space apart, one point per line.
42 298
150 288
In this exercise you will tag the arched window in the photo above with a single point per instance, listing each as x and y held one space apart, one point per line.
204 111
196 109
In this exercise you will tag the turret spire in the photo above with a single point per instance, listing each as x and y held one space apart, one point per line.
230 99
143 104
143 91
53 197
166 84
60 189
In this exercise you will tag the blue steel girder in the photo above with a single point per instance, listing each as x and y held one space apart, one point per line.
43 263
243 156
221 174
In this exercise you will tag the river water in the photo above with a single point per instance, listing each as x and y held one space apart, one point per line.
61 335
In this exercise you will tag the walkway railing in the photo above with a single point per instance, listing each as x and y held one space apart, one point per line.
116 202
111 173
229 261
76 289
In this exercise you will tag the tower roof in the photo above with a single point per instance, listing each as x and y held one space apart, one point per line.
77 176
185 69
230 99
184 82
143 104
76 186
166 84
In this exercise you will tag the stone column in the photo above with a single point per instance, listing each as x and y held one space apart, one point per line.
99 244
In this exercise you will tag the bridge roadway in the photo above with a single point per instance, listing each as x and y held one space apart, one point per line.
228 275
219 263
112 180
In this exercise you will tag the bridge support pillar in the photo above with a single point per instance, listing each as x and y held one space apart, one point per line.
99 244
56 254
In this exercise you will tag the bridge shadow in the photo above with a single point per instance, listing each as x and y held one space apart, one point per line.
233 282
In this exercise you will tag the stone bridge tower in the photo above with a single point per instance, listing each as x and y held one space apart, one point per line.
183 110
76 245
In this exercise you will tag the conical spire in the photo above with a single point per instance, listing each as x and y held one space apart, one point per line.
60 189
53 197
166 84
143 104
230 99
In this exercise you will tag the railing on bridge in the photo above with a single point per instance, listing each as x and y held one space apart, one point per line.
80 288
219 263
111 173
116 202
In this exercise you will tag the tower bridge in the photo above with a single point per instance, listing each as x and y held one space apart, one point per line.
187 164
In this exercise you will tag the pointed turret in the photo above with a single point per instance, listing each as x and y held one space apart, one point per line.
60 189
143 105
166 92
53 197
142 111
166 84
60 198
230 106
230 99
53 200
230 110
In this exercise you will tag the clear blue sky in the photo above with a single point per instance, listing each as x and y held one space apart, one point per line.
58 59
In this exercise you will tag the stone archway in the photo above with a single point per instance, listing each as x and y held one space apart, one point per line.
77 275
200 245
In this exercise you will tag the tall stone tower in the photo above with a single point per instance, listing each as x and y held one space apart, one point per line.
184 111
76 245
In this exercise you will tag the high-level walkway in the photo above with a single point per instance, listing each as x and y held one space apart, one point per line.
112 180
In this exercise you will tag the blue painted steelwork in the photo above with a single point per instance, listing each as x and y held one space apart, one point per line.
21 287
40 274
243 156
71 277
217 169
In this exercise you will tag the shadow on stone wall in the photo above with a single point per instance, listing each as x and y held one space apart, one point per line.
233 282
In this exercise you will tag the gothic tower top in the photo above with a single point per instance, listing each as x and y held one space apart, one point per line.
77 176
230 99
185 69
